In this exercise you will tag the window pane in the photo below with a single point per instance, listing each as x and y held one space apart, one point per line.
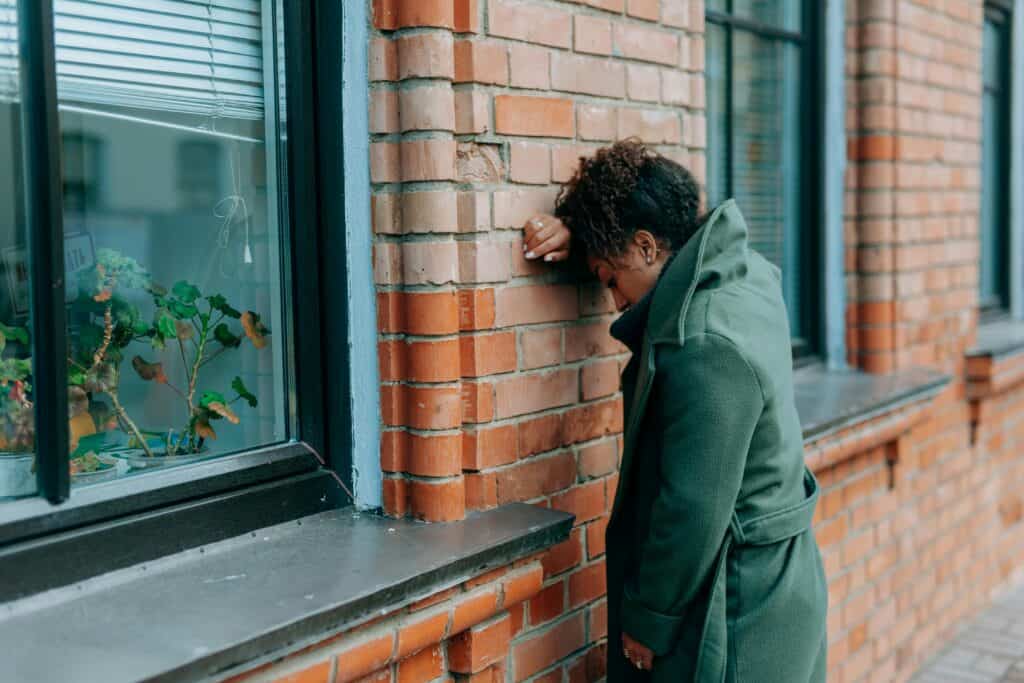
175 322
17 435
993 275
718 114
765 153
783 14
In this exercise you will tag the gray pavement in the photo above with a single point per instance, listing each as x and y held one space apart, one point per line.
990 650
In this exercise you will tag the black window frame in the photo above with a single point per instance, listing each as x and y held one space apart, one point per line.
311 201
998 307
808 348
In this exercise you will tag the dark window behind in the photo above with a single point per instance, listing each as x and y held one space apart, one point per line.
995 165
757 105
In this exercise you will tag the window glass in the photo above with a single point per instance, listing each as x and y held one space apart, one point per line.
783 14
175 321
755 151
993 228
17 421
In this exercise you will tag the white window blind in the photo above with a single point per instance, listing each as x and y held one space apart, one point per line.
185 56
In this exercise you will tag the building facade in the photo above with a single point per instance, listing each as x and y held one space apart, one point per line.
324 201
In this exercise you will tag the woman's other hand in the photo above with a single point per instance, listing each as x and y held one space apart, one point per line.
546 237
639 655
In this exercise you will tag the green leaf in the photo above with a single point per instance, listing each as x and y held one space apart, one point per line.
76 377
18 334
243 392
182 310
209 397
186 291
165 325
222 333
219 303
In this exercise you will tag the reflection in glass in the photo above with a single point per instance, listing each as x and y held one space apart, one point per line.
784 14
17 420
174 314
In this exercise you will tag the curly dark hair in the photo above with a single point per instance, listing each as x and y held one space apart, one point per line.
624 188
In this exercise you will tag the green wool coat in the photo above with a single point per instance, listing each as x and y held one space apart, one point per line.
710 557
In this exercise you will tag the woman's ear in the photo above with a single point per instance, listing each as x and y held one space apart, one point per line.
647 243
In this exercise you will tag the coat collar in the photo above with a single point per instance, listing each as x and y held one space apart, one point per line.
716 254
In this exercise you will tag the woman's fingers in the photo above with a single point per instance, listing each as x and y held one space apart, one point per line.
557 256
555 241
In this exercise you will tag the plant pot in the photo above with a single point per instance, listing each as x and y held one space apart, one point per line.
17 476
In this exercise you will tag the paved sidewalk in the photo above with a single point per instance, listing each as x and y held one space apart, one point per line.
990 650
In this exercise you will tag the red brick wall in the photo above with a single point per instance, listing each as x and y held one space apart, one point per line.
500 381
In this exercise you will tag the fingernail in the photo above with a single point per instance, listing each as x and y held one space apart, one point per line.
549 257
525 247
530 254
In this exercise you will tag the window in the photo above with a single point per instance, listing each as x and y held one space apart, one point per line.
175 344
759 114
994 227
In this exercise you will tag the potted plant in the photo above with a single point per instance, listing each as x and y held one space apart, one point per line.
203 328
17 420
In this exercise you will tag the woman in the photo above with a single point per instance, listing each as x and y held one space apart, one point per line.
713 570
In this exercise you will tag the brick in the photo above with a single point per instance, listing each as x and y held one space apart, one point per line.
540 435
529 163
488 354
589 341
472 112
431 361
385 162
530 67
487 448
548 604
587 584
587 75
421 630
481 62
428 159
476 309
595 535
477 162
467 16
676 13
474 609
394 450
474 650
363 657
522 586
536 304
484 261
535 477
386 213
530 23
383 60
434 407
535 392
872 148
383 111
592 35
644 9
649 125
474 211
599 379
593 421
512 208
540 347
481 491
391 360
646 44
437 501
643 83
597 616
597 460
477 402
395 493
616 6
585 501
533 116
426 55
565 161
564 556
547 647
420 313
675 88
487 577
421 667
596 123
318 673
429 212
436 455
439 13
430 107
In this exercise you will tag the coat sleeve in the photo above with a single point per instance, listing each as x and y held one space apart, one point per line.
710 403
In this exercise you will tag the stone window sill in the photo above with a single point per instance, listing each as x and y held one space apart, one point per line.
844 413
208 609
996 362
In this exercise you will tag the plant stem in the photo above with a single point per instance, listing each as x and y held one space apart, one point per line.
122 415
193 376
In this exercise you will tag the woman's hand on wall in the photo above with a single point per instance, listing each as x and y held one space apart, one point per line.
641 656
546 237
